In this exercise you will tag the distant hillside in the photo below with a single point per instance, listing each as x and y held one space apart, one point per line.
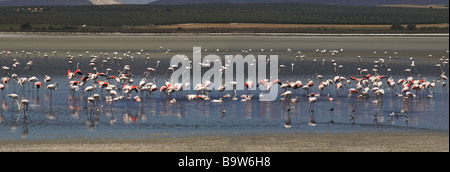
180 2
56 2
43 2
141 15
173 18
338 2
106 2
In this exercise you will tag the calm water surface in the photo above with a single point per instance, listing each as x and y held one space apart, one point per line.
62 115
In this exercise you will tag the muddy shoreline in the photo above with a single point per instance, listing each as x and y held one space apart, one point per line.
301 142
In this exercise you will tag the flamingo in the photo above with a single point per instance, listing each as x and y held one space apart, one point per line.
84 80
103 85
97 98
339 86
308 86
312 100
14 98
391 83
141 83
153 88
217 101
137 98
249 85
358 80
287 97
431 95
2 87
73 89
163 89
52 87
5 69
70 74
443 77
114 77
74 83
379 93
330 99
285 86
25 103
321 87
319 77
129 89
351 92
47 79
5 80
22 81
310 83
410 95
221 89
92 101
281 67
192 97
90 89
38 85
443 84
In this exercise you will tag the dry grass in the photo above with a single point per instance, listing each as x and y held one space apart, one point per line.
433 25
416 6
287 26
257 25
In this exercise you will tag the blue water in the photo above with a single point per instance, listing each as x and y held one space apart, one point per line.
65 116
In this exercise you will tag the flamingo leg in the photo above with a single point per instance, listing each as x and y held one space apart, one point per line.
12 105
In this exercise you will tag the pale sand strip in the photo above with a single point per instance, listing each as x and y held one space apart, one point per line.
302 142
282 26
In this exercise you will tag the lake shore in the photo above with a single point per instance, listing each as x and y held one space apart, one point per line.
298 142
119 34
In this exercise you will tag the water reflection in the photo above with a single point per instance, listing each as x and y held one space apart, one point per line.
287 117
73 113
15 120
51 114
312 121
25 127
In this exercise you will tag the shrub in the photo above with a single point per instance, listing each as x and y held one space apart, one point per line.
26 26
397 26
411 27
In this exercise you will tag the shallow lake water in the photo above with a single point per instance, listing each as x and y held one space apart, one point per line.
65 115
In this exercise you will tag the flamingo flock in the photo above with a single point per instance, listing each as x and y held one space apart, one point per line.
106 87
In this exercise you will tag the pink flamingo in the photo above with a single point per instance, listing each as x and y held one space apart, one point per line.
52 87
352 92
70 74
312 100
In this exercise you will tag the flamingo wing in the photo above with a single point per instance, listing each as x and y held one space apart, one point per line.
78 71
354 78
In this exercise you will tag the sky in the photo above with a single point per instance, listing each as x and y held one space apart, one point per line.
137 1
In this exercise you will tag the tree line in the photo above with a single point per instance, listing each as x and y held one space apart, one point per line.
135 15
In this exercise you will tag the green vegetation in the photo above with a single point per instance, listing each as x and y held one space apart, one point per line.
26 26
123 17
411 27
397 26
